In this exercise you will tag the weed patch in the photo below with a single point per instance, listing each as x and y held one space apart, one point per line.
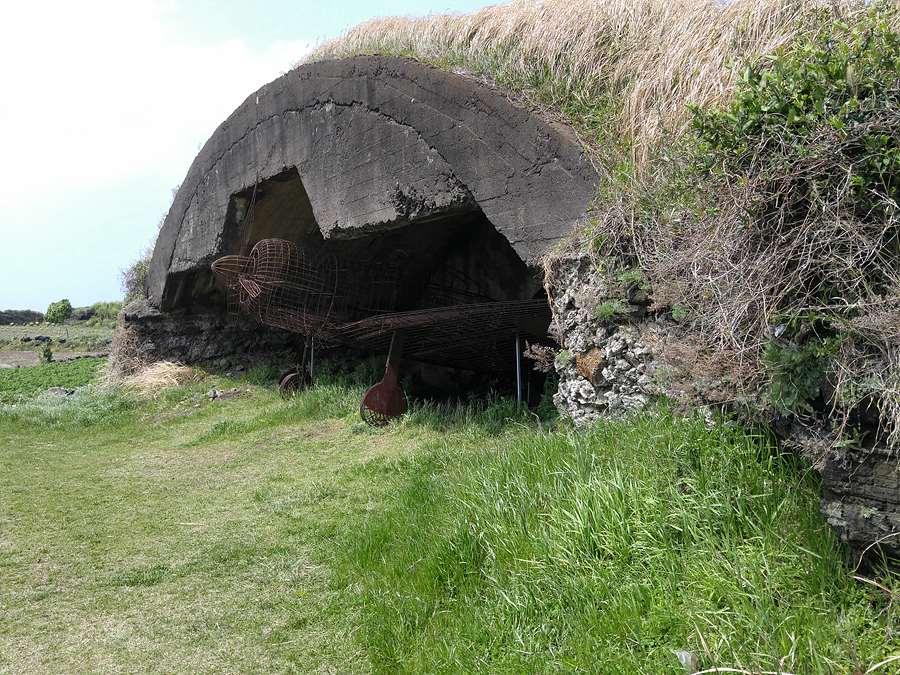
20 384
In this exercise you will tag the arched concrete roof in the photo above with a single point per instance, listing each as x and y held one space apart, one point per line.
379 143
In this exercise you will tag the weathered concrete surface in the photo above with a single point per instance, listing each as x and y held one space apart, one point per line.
379 143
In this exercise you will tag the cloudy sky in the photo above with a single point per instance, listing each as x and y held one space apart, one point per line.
103 105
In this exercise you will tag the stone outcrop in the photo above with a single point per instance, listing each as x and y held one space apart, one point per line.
212 338
605 368
861 497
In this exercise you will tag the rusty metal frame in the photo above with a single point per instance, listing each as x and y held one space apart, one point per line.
354 302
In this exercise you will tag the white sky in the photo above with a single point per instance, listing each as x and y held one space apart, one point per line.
102 91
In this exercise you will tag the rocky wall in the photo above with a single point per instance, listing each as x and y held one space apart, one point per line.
216 339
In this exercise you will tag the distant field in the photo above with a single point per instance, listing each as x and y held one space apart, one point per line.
23 383
88 338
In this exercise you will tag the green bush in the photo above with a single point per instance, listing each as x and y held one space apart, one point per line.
790 209
609 310
839 92
58 311
104 313
679 312
634 278
798 371
134 278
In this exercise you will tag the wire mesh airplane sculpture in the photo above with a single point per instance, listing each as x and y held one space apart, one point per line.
356 302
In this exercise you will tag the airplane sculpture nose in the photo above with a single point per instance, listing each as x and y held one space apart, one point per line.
230 266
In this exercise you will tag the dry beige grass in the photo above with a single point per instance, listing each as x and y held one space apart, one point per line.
151 379
653 58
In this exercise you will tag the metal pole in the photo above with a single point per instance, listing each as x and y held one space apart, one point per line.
312 356
518 370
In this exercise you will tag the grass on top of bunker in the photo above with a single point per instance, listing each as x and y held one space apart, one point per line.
183 534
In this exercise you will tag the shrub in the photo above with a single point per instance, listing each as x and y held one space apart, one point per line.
607 311
103 314
828 107
780 205
808 155
134 278
798 371
634 278
59 311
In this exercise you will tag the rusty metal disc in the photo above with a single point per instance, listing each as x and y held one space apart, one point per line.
292 383
382 403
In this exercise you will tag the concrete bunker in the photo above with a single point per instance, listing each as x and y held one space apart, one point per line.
366 159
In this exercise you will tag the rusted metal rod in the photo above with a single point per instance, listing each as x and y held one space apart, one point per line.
518 370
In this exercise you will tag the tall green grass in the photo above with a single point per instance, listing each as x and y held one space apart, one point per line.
606 552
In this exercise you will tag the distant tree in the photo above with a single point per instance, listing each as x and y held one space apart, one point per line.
134 279
58 312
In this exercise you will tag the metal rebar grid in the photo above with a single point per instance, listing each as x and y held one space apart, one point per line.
310 293
471 336
354 302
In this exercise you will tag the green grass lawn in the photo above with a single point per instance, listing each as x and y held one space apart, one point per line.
23 383
253 535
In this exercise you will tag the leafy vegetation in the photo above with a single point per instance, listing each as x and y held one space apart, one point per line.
23 383
798 364
58 311
134 278
98 314
829 104
679 312
609 310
